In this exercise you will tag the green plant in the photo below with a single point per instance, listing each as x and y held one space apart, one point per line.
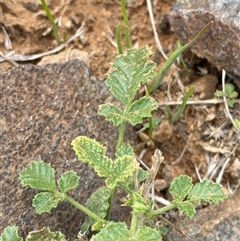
229 93
237 122
51 20
182 61
126 75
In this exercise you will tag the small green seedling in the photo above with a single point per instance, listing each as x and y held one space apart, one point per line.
229 93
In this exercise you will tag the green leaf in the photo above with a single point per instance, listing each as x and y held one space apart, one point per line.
180 187
123 168
186 207
125 149
237 122
10 233
38 175
111 113
119 232
113 232
97 203
231 102
128 71
45 234
229 88
140 109
45 201
92 152
234 94
147 234
68 181
207 191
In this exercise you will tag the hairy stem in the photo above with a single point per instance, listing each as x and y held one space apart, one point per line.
110 201
161 210
83 209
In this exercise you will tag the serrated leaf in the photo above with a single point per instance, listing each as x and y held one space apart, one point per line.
45 234
113 231
125 149
112 113
38 175
93 153
98 203
207 191
128 71
44 202
140 109
123 168
186 207
180 187
10 233
68 181
147 234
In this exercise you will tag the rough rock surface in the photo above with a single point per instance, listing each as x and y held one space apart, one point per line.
214 223
220 44
42 110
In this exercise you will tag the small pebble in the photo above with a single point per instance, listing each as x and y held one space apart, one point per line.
68 24
32 7
83 39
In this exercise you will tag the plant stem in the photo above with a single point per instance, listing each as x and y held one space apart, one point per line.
134 224
83 209
52 22
121 134
112 191
125 16
161 210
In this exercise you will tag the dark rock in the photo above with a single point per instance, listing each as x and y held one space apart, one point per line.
220 44
214 223
42 110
